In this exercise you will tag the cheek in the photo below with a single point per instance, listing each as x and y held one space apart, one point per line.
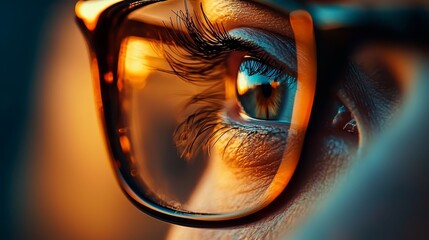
243 163
317 172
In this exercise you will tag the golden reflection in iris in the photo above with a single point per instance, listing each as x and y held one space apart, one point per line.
89 11
242 86
266 106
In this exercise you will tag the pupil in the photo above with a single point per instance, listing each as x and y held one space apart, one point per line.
266 90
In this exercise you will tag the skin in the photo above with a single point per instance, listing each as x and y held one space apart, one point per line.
384 197
341 180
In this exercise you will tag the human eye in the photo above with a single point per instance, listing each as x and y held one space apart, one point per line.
264 92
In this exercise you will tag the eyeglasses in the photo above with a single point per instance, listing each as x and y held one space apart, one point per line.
194 108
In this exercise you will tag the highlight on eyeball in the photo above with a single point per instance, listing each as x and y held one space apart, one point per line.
213 116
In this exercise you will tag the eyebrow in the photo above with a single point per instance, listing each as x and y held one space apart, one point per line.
235 14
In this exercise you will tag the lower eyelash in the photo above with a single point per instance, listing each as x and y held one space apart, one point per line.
193 133
251 151
209 124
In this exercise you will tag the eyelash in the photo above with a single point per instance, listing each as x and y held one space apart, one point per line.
197 54
258 67
206 45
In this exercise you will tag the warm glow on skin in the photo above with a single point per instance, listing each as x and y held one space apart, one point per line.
239 172
90 11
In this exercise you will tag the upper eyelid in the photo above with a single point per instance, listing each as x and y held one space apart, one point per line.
208 44
281 49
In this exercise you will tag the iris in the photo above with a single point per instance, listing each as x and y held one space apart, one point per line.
264 92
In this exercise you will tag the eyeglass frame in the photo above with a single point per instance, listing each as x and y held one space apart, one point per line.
356 27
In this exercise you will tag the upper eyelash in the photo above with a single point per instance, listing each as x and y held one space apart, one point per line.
255 66
205 46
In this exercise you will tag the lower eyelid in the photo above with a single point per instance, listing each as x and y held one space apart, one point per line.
253 151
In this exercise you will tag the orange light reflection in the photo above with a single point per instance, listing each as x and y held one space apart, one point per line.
137 55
